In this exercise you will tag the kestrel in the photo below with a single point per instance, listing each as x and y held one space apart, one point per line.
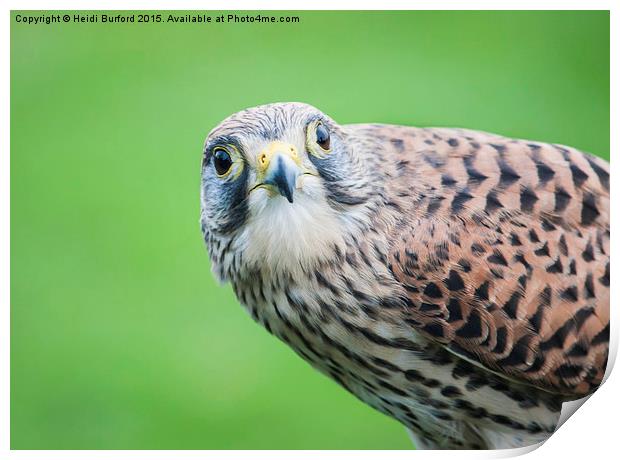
457 281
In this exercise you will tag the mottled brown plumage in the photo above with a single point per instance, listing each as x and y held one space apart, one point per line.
455 280
524 284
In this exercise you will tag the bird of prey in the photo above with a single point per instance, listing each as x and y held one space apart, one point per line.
455 280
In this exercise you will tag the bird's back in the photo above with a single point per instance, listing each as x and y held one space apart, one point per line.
503 251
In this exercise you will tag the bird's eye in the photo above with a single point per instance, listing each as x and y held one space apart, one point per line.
322 137
221 161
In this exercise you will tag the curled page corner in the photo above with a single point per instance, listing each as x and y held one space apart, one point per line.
570 407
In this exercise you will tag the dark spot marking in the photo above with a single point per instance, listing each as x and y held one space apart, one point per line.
521 259
325 283
528 199
431 383
545 173
492 203
386 364
497 258
451 391
581 316
499 148
475 176
463 404
433 159
482 291
514 239
447 180
538 363
433 291
534 428
508 176
441 415
536 319
434 329
398 143
545 296
414 376
534 237
589 287
558 337
441 251
434 204
534 147
476 381
439 356
459 200
429 307
579 177
453 142
478 249
588 253
571 294
438 404
465 265
392 388
503 420
562 198
604 280
555 267
501 341
472 328
402 165
589 211
569 371
510 307
454 309
454 282
543 251
336 194
601 337
462 369
603 175
599 242
578 350
546 225
519 354
572 267
563 246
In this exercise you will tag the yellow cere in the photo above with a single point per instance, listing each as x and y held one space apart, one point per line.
264 158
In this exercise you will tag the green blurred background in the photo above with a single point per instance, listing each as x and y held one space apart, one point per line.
120 338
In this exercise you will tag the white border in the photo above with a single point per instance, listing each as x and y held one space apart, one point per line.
591 434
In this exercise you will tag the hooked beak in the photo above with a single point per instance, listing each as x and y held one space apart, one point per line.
279 166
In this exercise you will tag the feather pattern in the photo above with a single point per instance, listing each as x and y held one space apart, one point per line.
508 265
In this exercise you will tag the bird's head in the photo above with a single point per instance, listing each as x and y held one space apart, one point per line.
281 188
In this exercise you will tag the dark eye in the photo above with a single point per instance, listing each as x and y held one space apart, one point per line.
221 161
322 137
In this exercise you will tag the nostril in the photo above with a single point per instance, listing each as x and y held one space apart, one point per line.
263 159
